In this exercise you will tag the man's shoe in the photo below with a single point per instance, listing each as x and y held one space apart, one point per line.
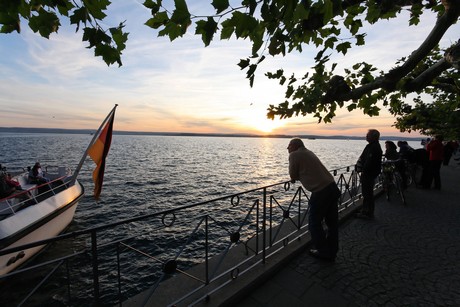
315 253
364 216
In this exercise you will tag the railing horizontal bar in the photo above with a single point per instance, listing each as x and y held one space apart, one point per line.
254 229
134 219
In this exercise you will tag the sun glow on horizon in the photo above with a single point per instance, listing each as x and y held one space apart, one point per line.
266 125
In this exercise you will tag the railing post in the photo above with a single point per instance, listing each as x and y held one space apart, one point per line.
95 265
264 226
68 280
206 249
298 213
119 274
270 230
257 225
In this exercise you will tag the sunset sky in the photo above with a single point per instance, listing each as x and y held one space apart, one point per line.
174 87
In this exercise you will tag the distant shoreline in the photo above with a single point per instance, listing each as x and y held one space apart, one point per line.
91 131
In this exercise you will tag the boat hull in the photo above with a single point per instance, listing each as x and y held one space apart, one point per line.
55 214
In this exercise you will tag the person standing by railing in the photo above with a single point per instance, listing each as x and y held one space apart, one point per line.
436 152
370 165
306 167
391 151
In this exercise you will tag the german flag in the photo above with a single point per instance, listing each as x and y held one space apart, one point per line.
98 152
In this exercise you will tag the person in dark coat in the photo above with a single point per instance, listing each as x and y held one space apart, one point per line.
369 164
391 151
436 151
449 149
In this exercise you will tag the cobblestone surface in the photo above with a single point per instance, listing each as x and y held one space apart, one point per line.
407 256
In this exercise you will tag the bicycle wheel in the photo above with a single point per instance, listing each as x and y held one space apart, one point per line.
410 172
398 185
386 183
409 177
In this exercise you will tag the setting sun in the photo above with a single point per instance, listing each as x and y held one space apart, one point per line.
266 125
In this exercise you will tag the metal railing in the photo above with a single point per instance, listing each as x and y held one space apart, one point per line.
21 199
210 242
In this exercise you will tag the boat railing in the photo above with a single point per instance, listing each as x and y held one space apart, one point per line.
21 199
209 243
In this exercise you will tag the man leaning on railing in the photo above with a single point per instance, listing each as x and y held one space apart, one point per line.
306 167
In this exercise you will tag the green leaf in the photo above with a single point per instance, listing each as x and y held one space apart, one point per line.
329 43
97 8
251 80
95 37
416 11
154 6
79 15
44 23
220 5
119 37
172 30
373 13
279 73
109 54
353 25
8 28
227 29
301 12
289 91
181 15
250 73
328 10
158 20
252 4
244 24
257 38
243 63
179 22
10 22
360 39
343 47
64 7
206 29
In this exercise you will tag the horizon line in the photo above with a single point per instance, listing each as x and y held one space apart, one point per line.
122 132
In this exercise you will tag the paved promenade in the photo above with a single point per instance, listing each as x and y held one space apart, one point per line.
407 256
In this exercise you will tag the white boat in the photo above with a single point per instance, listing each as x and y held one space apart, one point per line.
39 212
43 211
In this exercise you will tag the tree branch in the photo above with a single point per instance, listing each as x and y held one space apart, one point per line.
425 78
389 81
450 16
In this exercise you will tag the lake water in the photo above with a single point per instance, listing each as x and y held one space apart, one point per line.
146 174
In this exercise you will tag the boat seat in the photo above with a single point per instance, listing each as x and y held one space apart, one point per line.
5 209
25 185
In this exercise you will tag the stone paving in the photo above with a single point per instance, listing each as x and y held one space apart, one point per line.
407 256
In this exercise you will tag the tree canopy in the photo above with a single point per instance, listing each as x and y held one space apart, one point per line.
279 27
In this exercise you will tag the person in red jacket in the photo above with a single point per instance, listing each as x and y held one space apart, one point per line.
435 150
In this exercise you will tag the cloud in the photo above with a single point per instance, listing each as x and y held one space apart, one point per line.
170 86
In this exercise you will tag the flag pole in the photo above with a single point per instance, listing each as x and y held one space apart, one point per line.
96 135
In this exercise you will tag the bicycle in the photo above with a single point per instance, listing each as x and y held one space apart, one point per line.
390 177
410 169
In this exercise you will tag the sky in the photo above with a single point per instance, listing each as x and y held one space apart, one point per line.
178 86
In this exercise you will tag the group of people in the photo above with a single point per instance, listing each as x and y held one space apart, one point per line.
307 168
10 186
